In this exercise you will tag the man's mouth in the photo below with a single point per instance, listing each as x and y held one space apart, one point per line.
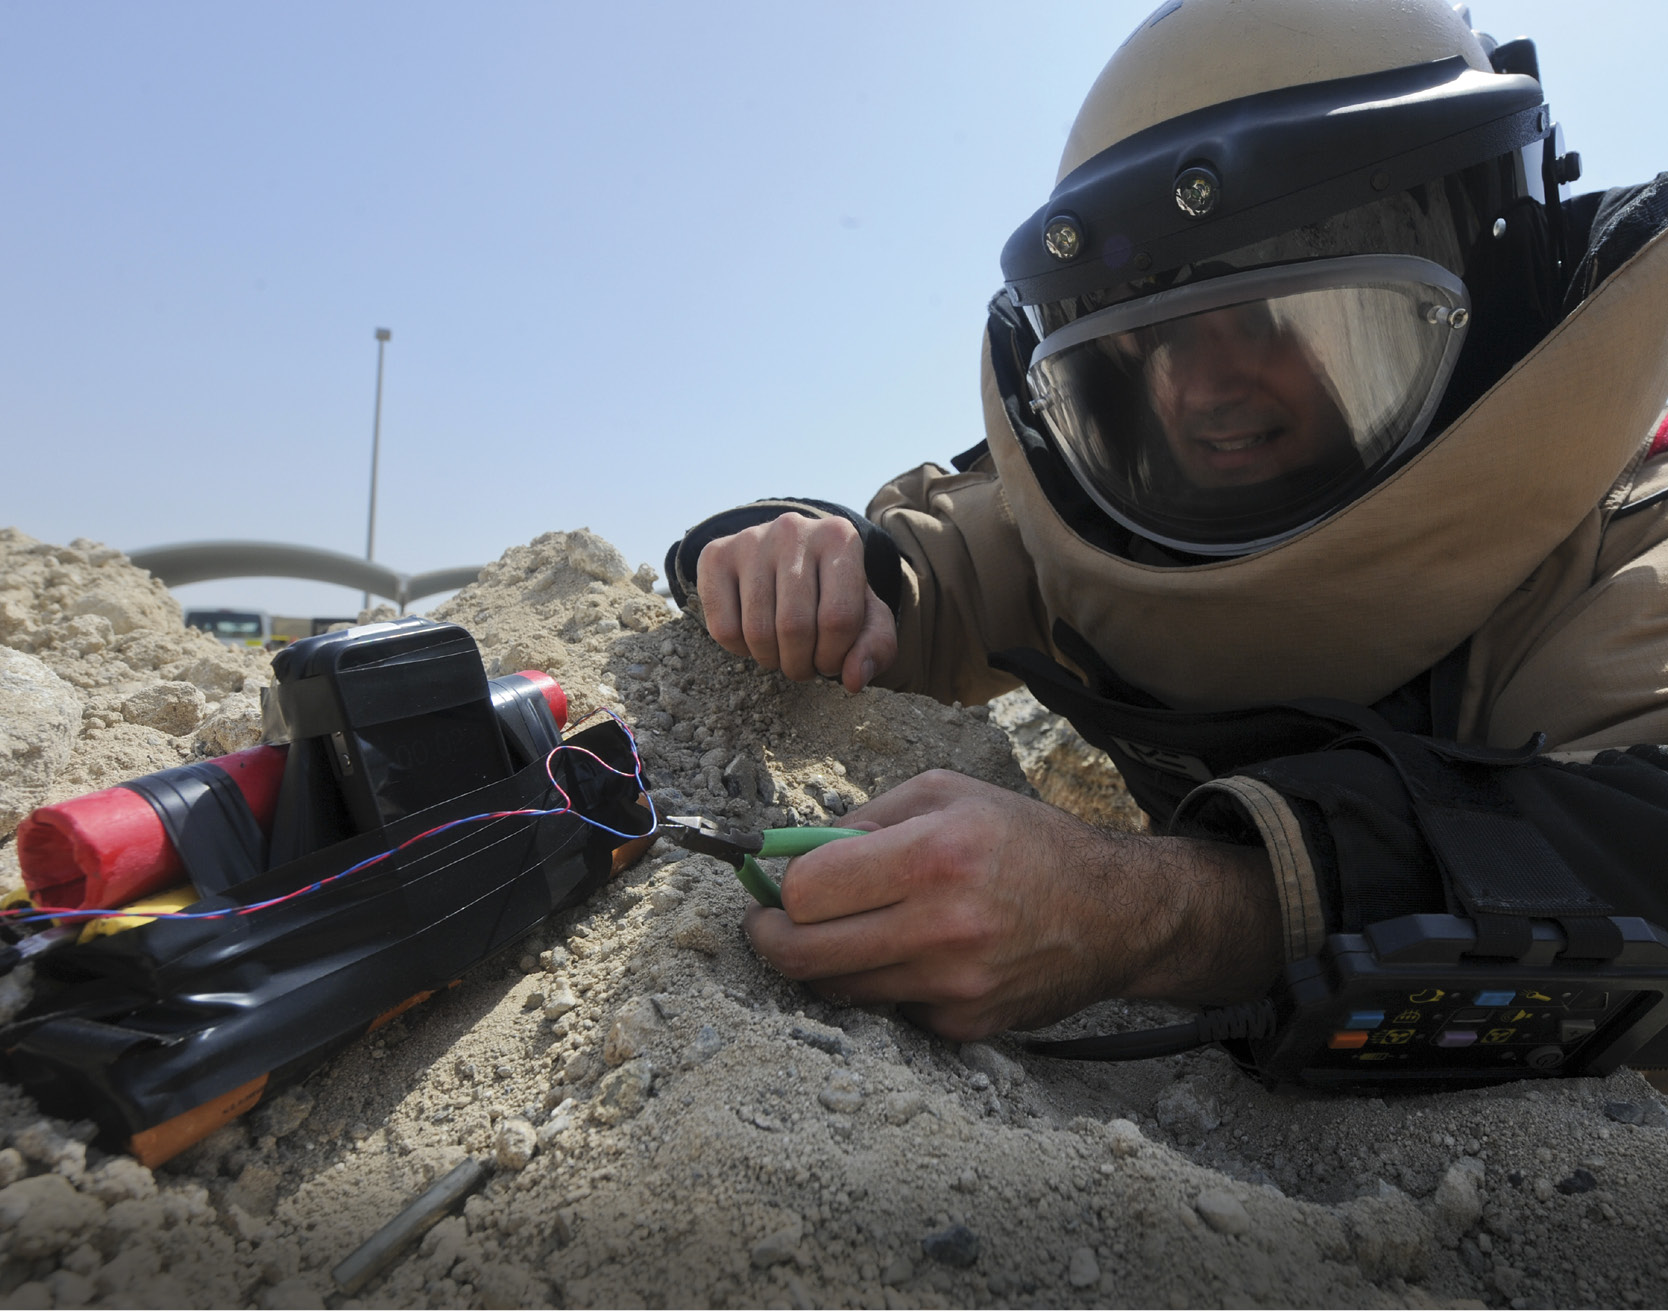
1240 442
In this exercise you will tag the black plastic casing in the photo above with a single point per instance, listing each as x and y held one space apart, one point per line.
399 717
1543 1015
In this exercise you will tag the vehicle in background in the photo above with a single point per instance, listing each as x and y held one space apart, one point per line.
258 629
233 628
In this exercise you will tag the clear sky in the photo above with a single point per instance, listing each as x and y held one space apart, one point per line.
641 261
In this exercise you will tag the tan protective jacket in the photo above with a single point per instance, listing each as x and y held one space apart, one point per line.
1533 527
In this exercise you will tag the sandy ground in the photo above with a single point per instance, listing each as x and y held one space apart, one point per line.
669 1123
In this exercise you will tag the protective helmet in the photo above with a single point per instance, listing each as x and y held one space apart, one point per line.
1290 240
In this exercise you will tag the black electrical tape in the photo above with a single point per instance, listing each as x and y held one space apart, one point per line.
208 821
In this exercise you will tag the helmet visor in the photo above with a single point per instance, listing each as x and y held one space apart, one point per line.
1228 415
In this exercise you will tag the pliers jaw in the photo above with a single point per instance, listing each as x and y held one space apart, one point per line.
701 835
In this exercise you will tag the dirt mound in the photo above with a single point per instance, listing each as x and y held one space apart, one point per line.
672 1124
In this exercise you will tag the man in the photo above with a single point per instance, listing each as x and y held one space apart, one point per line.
1318 486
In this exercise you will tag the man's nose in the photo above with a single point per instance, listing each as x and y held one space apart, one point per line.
1221 365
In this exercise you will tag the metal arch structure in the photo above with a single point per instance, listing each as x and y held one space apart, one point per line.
190 563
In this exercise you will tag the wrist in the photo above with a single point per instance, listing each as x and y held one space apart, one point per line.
1213 924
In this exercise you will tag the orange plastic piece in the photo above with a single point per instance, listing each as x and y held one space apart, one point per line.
161 1142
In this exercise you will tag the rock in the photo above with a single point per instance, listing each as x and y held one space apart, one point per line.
1003 1071
43 1143
256 1189
1222 1212
173 706
830 1039
779 1246
235 725
37 733
1085 1269
954 1246
898 1271
1629 1114
902 1105
843 1091
559 1000
515 1143
443 1245
121 1178
1507 1280
622 1092
1580 1181
1456 1206
31 1294
698 932
1125 1136
702 1048
12 1167
1390 1236
43 1215
284 1113
1185 1115
634 1027
71 1289
127 611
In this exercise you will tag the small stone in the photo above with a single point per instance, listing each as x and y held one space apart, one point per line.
900 1106
1180 1111
1125 1137
1085 1269
829 1039
779 1246
634 1027
12 1167
954 1246
1629 1114
43 1215
528 964
622 1093
665 898
843 1092
553 959
699 933
1544 1189
703 1047
173 706
1457 1206
1003 1071
1507 1280
1580 1181
284 1113
1222 1212
897 1271
533 1001
121 1178
516 1143
559 1000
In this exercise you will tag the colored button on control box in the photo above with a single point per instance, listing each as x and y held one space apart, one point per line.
1494 998
1455 1039
1365 1020
1348 1039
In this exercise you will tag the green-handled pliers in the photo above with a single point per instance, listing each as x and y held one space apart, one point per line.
740 848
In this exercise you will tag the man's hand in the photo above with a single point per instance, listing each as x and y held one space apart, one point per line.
981 910
792 595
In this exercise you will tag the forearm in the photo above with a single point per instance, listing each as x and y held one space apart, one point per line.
1213 932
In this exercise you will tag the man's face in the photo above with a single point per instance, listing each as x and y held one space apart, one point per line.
1239 399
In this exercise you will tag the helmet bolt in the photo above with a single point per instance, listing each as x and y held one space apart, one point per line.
1454 316
1381 180
1499 228
1197 191
1063 238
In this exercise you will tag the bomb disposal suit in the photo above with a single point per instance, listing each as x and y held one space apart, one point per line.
1325 479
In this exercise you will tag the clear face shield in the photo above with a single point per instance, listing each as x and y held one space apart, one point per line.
1227 415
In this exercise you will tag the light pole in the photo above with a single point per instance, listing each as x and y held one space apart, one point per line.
382 336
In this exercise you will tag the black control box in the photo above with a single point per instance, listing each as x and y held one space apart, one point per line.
1406 1002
